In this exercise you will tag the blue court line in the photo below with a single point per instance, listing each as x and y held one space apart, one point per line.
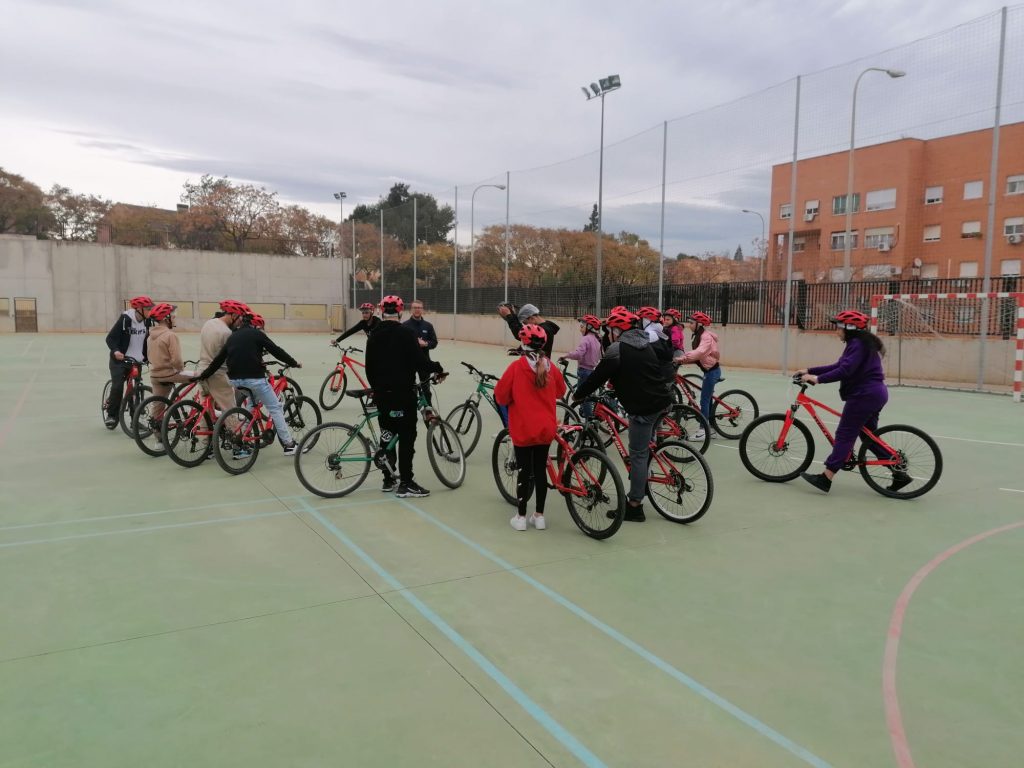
747 719
535 711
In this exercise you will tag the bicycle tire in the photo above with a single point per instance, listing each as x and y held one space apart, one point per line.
915 462
128 406
292 386
105 400
728 425
331 398
445 452
503 466
683 422
764 461
591 471
302 415
181 423
145 430
688 488
696 379
465 420
227 438
317 463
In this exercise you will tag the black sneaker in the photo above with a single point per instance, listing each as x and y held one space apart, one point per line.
110 422
411 489
633 514
900 480
388 485
820 482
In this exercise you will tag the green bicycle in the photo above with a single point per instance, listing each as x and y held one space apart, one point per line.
334 459
465 418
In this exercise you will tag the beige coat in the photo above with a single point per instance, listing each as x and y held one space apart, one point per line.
164 353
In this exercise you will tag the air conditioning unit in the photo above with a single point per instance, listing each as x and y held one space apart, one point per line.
884 248
809 216
895 271
1015 239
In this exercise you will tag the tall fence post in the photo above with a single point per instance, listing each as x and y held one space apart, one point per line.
792 228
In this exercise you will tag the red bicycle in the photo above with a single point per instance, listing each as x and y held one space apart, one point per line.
731 411
778 447
332 391
187 429
135 392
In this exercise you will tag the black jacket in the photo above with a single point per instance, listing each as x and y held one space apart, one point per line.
244 352
635 371
393 358
549 328
120 335
423 330
362 325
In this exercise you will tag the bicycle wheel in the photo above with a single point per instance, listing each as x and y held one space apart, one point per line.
187 432
129 405
503 464
333 389
681 491
105 400
732 412
683 423
237 439
919 455
301 415
765 459
146 425
445 452
332 460
292 387
465 420
594 493
696 379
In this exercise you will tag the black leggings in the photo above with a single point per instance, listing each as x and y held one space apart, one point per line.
532 463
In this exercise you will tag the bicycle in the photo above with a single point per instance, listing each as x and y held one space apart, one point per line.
730 412
332 391
465 418
241 432
148 416
334 459
680 485
580 475
134 393
778 447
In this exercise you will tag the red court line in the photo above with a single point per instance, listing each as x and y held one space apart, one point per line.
893 718
9 422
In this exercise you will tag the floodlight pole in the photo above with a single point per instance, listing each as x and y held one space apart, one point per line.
608 84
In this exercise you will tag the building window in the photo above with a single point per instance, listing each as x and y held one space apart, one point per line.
799 244
968 269
881 199
839 240
1014 226
932 195
879 237
811 209
839 204
973 190
786 211
930 271
971 229
1009 267
877 271
1015 184
933 233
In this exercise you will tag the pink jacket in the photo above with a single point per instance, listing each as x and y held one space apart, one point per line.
675 335
705 355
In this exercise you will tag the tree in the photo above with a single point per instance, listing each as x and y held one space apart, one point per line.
595 219
75 216
433 222
738 256
23 208
302 232
241 211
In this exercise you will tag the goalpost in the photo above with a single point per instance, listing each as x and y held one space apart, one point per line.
919 319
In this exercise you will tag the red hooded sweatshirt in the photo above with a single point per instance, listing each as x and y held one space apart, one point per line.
531 409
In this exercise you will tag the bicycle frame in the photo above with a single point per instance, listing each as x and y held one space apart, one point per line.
691 396
345 363
556 471
615 424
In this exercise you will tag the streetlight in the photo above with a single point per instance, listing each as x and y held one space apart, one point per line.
847 275
340 197
760 271
472 232
602 87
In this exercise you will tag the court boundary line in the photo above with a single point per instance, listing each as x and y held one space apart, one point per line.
1012 490
12 417
541 716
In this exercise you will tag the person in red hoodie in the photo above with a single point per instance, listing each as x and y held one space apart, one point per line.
529 388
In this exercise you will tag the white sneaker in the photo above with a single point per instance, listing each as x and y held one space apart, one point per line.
537 521
698 435
518 522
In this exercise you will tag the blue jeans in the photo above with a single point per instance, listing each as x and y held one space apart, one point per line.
640 430
583 374
707 389
265 394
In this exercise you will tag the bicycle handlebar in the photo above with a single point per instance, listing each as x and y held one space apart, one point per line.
798 379
474 371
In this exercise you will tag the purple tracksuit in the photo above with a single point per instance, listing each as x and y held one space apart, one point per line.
862 388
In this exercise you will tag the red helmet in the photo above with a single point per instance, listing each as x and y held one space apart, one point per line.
649 313
162 311
591 322
621 318
533 336
675 314
700 318
141 302
232 307
851 319
257 321
392 305
367 307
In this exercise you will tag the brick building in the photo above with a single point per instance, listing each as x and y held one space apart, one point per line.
920 210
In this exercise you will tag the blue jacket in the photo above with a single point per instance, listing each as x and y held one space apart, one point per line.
423 330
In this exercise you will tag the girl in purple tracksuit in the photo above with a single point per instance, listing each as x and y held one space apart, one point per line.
861 387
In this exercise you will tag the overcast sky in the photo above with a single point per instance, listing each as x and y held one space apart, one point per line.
128 99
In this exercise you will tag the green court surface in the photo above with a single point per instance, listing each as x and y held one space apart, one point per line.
158 616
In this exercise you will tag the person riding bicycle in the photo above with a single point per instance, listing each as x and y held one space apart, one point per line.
529 388
529 314
244 351
368 324
166 366
126 339
671 326
212 337
634 369
862 389
704 353
393 358
587 353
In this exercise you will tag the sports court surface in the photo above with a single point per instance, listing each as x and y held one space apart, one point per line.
158 616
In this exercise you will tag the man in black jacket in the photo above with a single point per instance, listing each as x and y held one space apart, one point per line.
425 335
367 325
528 314
633 368
393 358
126 339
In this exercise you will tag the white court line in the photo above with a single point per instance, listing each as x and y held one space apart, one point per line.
1012 490
950 437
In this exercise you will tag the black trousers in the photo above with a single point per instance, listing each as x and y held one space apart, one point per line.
532 462
399 418
119 371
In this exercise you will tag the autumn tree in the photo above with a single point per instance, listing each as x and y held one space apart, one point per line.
23 208
243 212
75 216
